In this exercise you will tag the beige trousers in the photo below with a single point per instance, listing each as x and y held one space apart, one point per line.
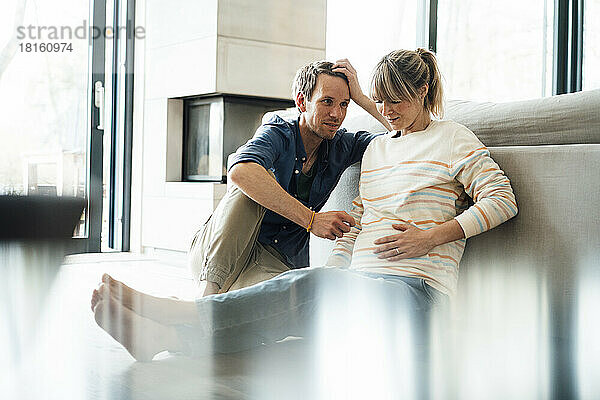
226 249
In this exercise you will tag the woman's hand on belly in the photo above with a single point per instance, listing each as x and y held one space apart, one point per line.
410 242
414 242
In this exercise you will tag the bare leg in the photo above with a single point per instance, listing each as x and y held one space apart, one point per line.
142 337
167 311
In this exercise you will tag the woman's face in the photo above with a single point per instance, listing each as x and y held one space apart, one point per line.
401 115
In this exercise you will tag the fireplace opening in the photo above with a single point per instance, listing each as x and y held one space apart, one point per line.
215 126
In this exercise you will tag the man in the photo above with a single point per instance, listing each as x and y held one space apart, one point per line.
280 180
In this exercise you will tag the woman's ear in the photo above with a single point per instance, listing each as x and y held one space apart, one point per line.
300 102
424 90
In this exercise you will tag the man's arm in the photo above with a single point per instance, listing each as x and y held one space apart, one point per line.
369 106
356 92
254 180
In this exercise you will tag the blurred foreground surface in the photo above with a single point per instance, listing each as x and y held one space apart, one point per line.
507 336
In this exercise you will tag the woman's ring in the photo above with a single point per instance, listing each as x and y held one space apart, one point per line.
397 251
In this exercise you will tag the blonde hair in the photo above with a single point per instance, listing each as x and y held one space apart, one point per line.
401 74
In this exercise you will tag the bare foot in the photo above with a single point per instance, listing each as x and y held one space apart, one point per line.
96 297
167 311
142 337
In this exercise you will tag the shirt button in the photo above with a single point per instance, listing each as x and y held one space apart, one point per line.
275 241
310 208
296 172
296 158
303 158
284 227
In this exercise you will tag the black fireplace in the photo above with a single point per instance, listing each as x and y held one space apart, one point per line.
215 126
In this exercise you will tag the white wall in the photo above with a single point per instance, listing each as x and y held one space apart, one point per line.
364 31
261 44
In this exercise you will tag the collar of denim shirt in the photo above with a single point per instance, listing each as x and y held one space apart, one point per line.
323 151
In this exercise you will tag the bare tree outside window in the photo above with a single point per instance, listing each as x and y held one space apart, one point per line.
10 48
43 98
496 50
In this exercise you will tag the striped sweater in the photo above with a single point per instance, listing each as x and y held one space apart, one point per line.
423 179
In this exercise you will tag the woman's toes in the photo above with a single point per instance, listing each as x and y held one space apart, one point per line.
116 287
95 299
112 282
103 291
99 311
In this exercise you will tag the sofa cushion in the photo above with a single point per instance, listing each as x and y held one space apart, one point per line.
565 119
557 231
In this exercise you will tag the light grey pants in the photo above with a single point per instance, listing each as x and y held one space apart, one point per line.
226 249
309 303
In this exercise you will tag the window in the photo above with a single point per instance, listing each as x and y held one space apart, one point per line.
44 102
495 51
488 50
591 50
363 32
57 109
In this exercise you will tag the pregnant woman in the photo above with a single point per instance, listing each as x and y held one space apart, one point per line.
412 220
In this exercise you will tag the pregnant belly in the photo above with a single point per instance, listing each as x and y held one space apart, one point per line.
364 246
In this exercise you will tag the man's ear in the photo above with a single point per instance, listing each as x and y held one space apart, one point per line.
300 102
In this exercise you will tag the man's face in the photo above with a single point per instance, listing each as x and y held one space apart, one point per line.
325 111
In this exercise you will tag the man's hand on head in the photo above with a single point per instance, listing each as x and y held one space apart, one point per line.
347 69
331 224
356 93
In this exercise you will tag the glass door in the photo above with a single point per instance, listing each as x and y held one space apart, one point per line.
52 65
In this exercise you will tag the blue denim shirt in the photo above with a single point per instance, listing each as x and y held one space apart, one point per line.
277 146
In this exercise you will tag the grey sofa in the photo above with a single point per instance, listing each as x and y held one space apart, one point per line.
526 287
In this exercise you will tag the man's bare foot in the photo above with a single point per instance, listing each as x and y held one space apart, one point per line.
142 337
167 311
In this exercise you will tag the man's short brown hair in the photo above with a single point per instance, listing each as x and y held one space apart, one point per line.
306 77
